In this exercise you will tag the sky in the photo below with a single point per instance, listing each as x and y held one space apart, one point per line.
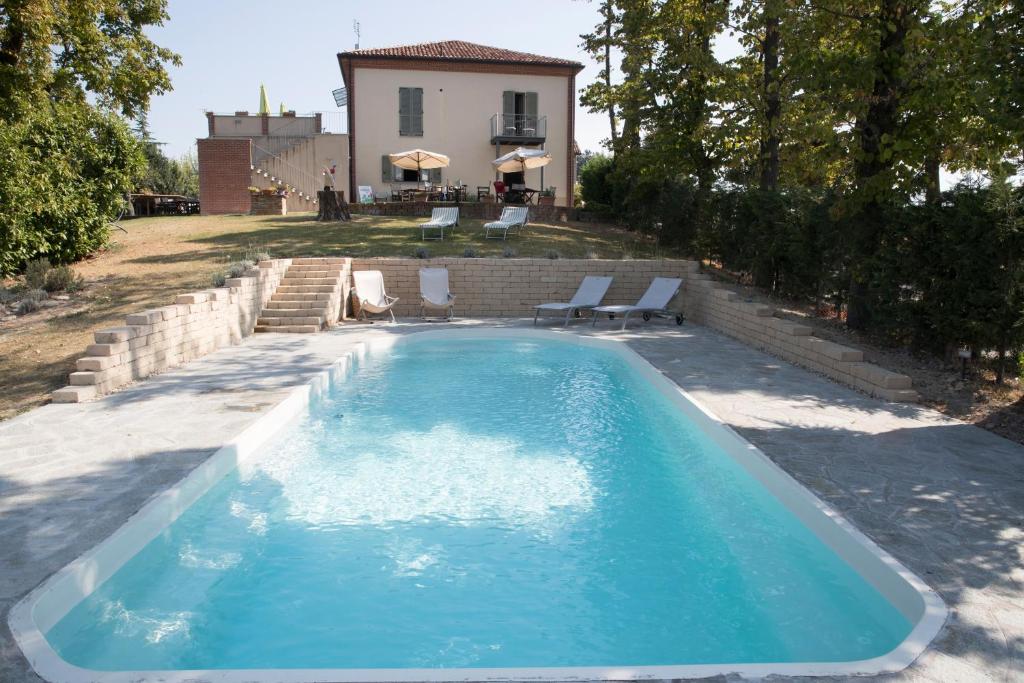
229 47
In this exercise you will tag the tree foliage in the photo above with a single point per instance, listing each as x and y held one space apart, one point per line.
70 70
811 160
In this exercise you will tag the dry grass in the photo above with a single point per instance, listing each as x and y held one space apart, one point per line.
160 257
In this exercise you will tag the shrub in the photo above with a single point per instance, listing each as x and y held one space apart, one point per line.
62 279
421 252
595 186
239 268
7 296
219 279
469 252
30 301
64 172
509 252
35 273
590 254
552 254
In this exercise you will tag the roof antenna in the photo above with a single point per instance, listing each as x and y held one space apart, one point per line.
355 29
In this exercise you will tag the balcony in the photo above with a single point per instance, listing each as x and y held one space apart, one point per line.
518 129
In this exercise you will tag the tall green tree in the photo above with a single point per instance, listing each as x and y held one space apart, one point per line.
70 71
54 50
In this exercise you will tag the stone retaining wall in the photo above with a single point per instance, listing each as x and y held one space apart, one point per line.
162 338
488 287
268 205
511 287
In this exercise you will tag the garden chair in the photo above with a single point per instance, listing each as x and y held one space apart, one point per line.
441 218
513 219
588 295
434 292
369 292
652 303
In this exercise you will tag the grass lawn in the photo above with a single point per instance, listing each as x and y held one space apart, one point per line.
159 258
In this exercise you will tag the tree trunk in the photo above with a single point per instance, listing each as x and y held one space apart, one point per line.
333 206
608 19
876 131
772 97
932 188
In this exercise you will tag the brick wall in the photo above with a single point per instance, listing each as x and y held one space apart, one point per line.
162 338
224 175
268 205
511 287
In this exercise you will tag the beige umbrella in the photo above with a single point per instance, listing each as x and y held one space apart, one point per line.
521 159
419 159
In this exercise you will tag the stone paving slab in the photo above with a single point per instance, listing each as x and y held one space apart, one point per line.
945 498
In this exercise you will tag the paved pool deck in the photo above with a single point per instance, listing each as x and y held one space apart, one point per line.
943 497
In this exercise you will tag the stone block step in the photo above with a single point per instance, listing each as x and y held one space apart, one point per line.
292 320
302 289
299 303
291 313
287 281
301 296
315 268
318 261
299 329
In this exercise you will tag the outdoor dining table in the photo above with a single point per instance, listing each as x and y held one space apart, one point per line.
519 195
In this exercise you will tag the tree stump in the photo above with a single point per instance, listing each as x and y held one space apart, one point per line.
333 206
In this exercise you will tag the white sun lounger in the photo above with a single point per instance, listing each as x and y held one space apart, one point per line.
588 295
513 219
369 291
445 217
653 302
434 292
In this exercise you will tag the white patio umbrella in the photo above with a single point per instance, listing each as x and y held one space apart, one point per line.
419 159
521 159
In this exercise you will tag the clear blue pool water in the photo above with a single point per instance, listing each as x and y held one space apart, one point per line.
483 503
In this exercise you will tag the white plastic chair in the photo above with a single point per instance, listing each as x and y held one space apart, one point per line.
588 295
654 302
369 291
434 292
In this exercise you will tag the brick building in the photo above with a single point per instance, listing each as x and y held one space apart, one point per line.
245 150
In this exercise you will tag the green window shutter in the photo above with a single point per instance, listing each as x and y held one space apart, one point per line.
404 111
417 111
387 173
435 176
531 108
508 109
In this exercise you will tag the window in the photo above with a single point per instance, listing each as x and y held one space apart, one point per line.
410 111
519 113
389 173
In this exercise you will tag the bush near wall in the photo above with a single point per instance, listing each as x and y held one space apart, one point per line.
64 171
943 275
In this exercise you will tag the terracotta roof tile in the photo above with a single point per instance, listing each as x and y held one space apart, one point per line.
458 50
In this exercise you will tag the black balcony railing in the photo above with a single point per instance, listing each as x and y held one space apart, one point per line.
518 128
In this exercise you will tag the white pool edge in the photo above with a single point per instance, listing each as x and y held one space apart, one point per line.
44 606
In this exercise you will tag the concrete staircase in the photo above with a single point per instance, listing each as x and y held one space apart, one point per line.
309 298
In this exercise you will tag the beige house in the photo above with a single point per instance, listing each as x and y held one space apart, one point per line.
468 101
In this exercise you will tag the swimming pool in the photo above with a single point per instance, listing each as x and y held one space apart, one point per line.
478 505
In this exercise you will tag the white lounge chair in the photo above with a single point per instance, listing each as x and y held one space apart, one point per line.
588 295
434 292
513 218
653 302
369 291
440 219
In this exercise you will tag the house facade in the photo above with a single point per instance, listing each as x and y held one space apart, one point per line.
470 102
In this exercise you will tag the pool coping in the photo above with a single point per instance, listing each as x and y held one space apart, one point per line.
40 609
